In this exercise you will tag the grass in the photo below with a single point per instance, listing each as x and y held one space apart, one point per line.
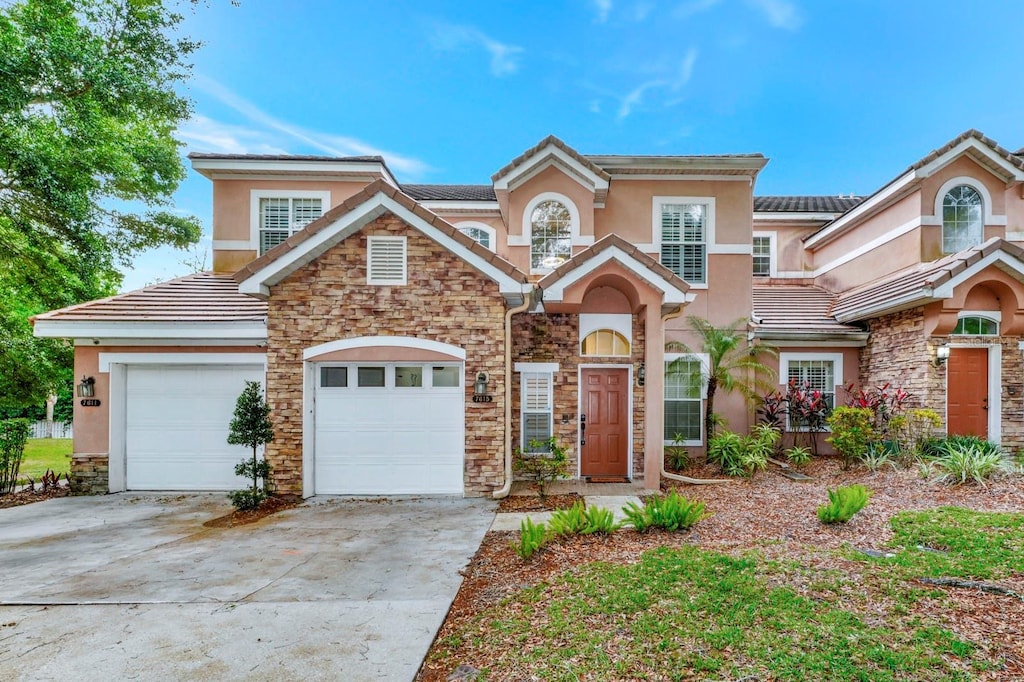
689 613
42 454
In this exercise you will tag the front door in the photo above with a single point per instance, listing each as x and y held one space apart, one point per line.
967 392
605 412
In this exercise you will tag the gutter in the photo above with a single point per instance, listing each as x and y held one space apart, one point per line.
504 490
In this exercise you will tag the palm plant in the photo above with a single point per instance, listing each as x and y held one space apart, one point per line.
732 363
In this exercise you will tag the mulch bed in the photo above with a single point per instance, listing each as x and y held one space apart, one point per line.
533 503
271 505
30 496
776 516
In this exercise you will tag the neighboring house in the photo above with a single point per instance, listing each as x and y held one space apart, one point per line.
411 336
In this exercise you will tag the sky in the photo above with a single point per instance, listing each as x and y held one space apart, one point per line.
841 96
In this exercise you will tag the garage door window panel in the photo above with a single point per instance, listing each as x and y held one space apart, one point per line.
371 377
334 377
446 377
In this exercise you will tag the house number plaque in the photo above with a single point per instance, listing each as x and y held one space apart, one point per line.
483 399
90 402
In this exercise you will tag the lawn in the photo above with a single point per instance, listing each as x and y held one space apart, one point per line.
786 598
45 453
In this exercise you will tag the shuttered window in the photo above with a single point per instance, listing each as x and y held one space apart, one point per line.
536 410
282 217
386 261
684 241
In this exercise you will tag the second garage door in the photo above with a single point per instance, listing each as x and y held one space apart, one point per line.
389 429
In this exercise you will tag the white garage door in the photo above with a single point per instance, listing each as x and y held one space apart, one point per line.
389 429
177 421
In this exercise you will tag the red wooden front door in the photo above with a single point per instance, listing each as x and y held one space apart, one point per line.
606 439
967 392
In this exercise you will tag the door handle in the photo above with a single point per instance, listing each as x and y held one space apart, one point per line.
583 429
984 404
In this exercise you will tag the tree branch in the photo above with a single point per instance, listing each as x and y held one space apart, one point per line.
972 585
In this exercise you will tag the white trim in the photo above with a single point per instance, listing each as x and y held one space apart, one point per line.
543 158
995 387
259 283
672 295
772 253
978 146
794 216
629 418
853 254
375 240
255 195
108 359
946 290
314 352
860 210
440 204
677 176
464 225
232 245
308 425
986 202
621 323
242 331
709 233
994 315
542 369
525 238
117 457
243 168
705 372
1015 236
536 367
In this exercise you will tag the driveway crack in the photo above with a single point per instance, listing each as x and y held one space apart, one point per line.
284 575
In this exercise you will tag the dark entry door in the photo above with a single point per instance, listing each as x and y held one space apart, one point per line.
606 406
967 392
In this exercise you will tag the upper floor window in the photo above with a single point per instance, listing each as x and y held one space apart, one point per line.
976 325
962 222
684 240
550 235
762 252
478 232
280 216
605 342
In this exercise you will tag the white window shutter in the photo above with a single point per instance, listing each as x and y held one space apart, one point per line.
386 261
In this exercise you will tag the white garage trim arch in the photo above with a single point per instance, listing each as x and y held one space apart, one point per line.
384 342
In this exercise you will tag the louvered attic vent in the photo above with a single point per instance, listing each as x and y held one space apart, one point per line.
386 260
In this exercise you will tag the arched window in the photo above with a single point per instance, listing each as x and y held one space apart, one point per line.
479 235
550 235
976 325
605 342
962 223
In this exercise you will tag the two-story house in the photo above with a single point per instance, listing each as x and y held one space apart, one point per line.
410 337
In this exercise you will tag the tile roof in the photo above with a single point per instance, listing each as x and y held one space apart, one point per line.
976 134
551 140
797 311
805 204
285 157
450 192
202 297
914 285
367 193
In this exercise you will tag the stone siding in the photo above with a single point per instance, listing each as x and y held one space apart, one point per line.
555 338
444 300
90 474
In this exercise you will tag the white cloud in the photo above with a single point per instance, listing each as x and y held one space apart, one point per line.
335 145
688 9
780 13
451 37
635 96
213 136
603 8
682 77
685 69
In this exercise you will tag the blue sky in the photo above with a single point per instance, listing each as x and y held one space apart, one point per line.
841 96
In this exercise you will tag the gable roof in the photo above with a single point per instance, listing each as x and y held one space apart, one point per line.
552 151
981 149
355 213
926 282
805 204
799 312
674 288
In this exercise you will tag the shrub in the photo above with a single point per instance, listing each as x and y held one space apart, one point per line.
885 403
544 464
531 538
600 520
967 459
808 410
798 455
246 499
852 431
671 512
843 503
13 435
878 454
743 456
676 456
251 426
571 521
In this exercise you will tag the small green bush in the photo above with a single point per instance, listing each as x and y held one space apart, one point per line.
531 538
798 455
964 461
13 436
737 455
545 462
852 430
877 455
671 512
247 499
843 503
571 521
600 520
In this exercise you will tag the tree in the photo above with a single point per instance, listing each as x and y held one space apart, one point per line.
251 426
732 364
88 162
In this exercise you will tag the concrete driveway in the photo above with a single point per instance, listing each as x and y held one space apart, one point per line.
134 587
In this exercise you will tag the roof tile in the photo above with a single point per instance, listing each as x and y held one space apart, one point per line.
805 204
796 309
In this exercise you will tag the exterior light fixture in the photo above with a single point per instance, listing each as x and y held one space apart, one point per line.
87 387
641 375
941 355
480 386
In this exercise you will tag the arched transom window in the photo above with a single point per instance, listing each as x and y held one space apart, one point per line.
962 224
550 235
478 235
976 325
605 342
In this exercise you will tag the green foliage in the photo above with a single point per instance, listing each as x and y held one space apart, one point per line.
531 538
852 430
251 426
672 512
737 455
89 106
546 461
965 459
677 457
878 454
600 520
45 453
13 436
798 455
843 503
571 521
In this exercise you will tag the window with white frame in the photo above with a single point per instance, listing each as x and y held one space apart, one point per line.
536 407
962 221
386 260
976 325
684 399
550 235
817 372
763 255
478 232
606 342
281 217
684 240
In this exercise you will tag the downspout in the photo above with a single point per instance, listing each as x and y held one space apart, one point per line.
676 477
503 491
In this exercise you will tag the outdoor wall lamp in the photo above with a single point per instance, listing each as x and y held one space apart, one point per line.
941 355
641 375
86 387
480 386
